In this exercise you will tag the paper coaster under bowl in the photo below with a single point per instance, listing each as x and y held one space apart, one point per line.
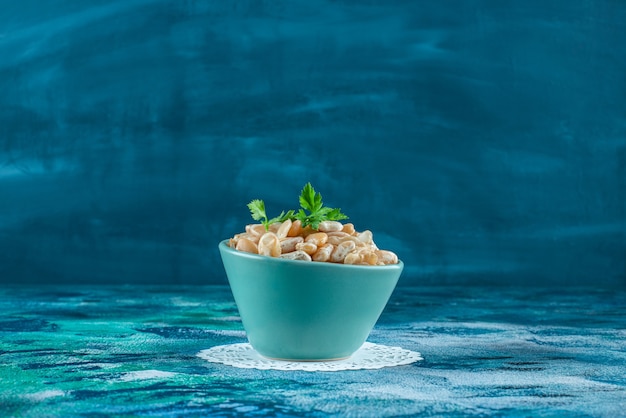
369 356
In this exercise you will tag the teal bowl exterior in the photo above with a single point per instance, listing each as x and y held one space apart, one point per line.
307 311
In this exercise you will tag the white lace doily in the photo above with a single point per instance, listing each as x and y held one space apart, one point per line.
369 356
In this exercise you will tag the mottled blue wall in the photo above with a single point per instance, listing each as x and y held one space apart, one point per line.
484 141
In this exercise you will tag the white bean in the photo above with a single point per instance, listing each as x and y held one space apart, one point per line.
244 244
366 237
256 229
296 228
318 238
269 244
329 226
349 229
323 253
352 258
369 257
284 228
296 255
340 251
387 257
288 245
338 239
307 247
251 237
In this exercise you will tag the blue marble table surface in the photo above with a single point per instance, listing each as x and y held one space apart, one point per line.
131 351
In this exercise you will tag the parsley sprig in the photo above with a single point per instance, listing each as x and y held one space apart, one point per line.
257 210
312 202
312 210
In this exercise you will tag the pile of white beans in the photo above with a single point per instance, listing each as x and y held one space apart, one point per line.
332 242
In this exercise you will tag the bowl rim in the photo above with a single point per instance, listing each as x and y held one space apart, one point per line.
311 264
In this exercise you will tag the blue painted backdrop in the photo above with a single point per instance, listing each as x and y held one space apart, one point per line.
483 141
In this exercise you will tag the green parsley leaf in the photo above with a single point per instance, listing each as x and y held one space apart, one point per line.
282 217
257 209
310 201
336 215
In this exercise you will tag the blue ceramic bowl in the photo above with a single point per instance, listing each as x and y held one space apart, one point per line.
307 311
